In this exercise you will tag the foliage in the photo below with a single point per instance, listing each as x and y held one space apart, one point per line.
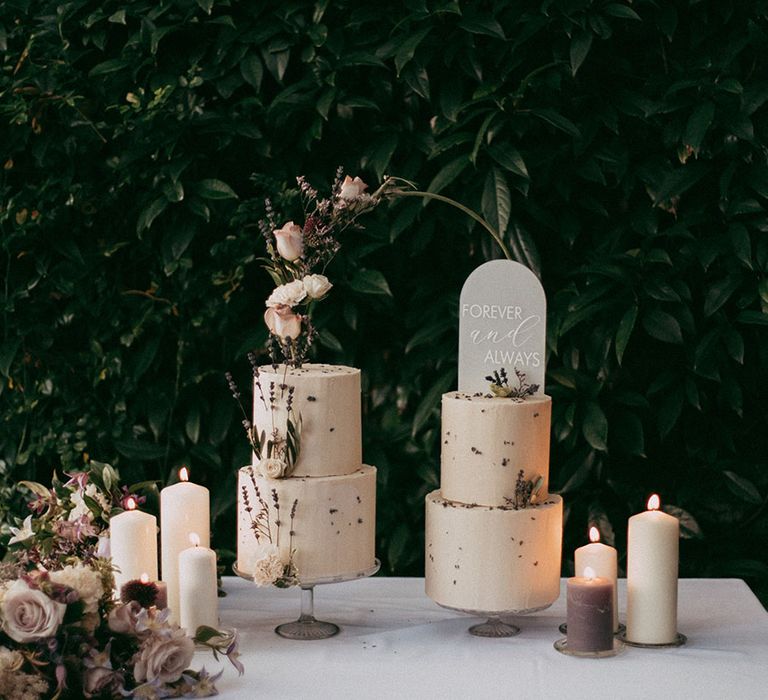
619 149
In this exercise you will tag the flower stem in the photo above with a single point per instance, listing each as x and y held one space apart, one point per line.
447 200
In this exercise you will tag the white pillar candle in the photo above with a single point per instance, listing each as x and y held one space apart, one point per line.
198 594
652 562
133 543
602 559
184 509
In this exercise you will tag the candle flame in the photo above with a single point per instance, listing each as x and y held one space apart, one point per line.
654 502
194 538
594 534
130 504
589 572
144 578
183 474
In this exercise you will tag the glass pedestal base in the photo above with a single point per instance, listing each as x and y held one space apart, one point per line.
494 627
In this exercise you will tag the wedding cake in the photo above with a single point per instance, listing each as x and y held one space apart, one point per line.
321 517
493 530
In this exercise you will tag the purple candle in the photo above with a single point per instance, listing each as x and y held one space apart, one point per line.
590 613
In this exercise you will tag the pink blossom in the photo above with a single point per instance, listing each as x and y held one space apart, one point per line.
290 241
282 322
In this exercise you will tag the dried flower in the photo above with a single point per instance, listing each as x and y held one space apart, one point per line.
267 565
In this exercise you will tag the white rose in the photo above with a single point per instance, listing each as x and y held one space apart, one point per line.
289 241
86 581
272 467
352 189
267 565
316 286
29 614
163 658
289 294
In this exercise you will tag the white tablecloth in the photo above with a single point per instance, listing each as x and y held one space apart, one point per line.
396 643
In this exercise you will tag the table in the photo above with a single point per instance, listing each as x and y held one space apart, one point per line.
396 643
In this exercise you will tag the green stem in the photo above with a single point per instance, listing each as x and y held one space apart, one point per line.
447 200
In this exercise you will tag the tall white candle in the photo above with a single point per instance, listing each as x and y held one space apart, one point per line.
602 559
652 563
184 509
133 543
198 595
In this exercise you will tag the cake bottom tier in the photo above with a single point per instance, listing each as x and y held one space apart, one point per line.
333 526
492 559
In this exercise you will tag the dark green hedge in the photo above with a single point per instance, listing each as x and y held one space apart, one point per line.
621 148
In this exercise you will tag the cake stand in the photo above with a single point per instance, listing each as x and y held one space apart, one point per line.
494 626
308 627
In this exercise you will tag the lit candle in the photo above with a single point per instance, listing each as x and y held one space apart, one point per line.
652 561
184 509
590 612
198 591
601 558
133 543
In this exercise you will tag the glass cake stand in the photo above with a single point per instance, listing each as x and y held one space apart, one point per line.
308 627
494 627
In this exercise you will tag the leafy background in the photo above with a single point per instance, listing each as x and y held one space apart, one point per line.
620 148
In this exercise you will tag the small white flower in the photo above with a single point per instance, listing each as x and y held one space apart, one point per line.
352 189
272 468
22 533
288 294
267 565
316 286
81 508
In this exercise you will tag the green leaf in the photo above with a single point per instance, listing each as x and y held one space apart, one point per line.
252 70
509 158
595 426
215 189
756 318
398 544
662 326
149 214
429 333
111 66
621 11
581 42
136 449
192 425
206 5
117 17
558 121
698 124
719 293
370 282
448 173
330 341
743 488
627 434
670 405
496 201
475 24
624 331
8 352
407 49
176 241
689 528
145 355
431 401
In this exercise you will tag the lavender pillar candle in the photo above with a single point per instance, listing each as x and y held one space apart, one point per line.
590 613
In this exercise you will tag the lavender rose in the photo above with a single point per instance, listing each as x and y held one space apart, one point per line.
29 614
163 658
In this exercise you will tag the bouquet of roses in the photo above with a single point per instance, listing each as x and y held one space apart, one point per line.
62 634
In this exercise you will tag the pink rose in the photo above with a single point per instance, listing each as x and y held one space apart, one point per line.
290 241
352 189
282 322
29 614
163 658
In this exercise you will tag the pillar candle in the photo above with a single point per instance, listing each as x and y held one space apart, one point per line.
198 594
602 559
590 613
133 544
184 509
652 562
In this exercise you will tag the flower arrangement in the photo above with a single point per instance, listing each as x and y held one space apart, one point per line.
62 634
270 565
500 386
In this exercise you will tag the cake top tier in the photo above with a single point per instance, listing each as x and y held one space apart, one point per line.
309 370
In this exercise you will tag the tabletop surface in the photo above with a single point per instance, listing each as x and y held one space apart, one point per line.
396 642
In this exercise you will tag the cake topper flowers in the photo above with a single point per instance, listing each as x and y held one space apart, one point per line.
298 253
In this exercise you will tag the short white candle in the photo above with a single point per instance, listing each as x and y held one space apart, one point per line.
198 594
133 542
602 559
184 509
652 563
